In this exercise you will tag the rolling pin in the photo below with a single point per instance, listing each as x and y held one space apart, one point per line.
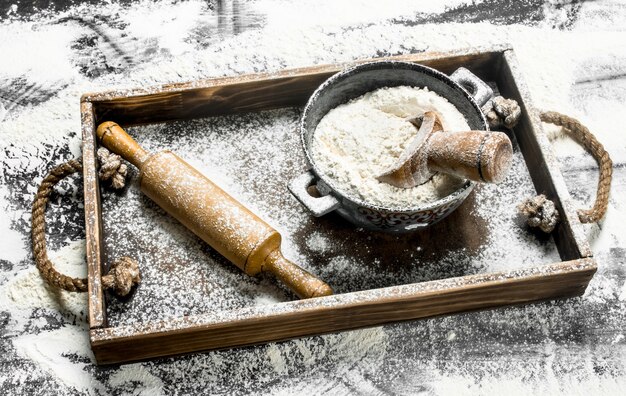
475 155
213 215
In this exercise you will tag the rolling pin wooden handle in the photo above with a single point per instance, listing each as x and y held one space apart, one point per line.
113 137
475 155
304 284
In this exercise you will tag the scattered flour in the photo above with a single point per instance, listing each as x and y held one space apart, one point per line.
359 140
53 349
318 242
276 359
622 295
127 378
12 243
28 289
496 351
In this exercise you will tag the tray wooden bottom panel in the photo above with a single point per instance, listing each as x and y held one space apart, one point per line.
341 312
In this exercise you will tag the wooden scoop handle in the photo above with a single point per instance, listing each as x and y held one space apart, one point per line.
303 283
475 155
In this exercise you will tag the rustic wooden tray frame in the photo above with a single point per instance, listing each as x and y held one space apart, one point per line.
339 312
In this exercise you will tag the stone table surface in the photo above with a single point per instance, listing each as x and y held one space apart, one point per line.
573 56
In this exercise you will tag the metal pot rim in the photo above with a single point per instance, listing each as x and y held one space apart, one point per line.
468 185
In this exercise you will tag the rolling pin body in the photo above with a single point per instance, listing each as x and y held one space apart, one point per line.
213 215
183 192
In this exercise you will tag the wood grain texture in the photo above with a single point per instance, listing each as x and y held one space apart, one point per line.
93 219
541 161
475 155
254 92
340 312
345 311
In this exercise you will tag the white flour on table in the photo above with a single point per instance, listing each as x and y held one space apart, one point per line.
359 140
540 348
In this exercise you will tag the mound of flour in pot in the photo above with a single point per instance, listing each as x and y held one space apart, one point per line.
359 140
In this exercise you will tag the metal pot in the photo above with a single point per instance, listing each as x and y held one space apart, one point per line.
463 89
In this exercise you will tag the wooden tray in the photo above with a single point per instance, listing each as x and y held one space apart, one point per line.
350 310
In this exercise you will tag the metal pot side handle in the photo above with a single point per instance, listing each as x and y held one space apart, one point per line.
477 88
318 206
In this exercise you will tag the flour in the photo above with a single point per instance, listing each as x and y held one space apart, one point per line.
546 348
357 141
28 290
318 242
127 378
12 244
51 349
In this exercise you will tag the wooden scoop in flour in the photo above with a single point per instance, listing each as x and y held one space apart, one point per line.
475 155
213 215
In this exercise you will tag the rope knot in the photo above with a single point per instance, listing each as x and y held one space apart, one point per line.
124 273
112 168
540 212
122 276
501 111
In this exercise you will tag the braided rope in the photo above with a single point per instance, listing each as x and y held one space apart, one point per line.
584 137
46 269
124 272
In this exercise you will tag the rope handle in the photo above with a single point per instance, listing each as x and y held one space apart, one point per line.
124 272
506 112
585 138
46 269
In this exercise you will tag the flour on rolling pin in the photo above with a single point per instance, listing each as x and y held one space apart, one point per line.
357 141
209 212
